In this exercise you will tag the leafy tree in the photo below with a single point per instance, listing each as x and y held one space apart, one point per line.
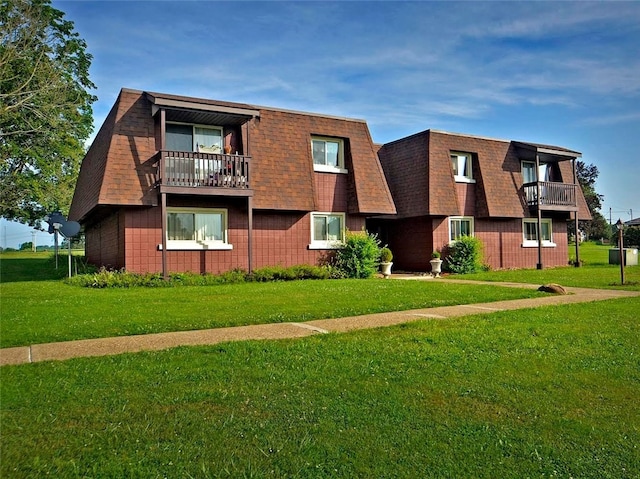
45 109
598 227
28 246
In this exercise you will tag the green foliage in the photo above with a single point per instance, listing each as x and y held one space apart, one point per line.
435 254
45 109
632 236
464 256
359 256
386 256
550 393
105 278
280 273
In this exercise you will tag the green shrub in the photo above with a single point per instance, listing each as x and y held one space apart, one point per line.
105 278
359 256
464 256
435 254
386 255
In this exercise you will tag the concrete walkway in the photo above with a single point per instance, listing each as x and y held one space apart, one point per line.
154 342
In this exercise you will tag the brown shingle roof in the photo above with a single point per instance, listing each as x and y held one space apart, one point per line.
118 168
419 172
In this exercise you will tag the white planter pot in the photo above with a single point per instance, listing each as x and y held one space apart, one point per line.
436 267
385 269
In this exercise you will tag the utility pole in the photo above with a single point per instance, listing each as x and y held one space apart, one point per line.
33 241
610 221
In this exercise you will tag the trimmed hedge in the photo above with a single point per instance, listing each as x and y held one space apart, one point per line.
105 278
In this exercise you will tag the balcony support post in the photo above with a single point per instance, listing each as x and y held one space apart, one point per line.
575 196
250 233
539 224
163 212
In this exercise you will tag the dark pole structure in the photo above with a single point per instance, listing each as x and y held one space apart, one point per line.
575 196
539 225
620 227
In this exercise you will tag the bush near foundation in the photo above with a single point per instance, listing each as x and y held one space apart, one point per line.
464 256
360 255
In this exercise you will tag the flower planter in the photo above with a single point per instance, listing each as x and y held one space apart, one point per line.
385 269
436 267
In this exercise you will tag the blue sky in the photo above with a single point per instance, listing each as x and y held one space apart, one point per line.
561 73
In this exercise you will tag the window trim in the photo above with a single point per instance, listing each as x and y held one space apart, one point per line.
461 218
534 243
327 244
194 147
196 245
462 178
328 168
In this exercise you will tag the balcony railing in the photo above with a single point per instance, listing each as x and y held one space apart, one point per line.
203 170
553 196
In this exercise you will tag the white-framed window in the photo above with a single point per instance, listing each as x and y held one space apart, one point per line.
529 172
187 137
461 163
460 226
327 230
328 154
530 232
197 228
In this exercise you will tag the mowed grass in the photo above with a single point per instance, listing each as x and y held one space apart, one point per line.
548 392
49 310
596 272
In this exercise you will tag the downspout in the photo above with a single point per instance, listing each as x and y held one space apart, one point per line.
575 196
539 225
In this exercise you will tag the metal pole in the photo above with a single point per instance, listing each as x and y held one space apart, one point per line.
69 239
55 245
163 212
621 245
575 181
539 224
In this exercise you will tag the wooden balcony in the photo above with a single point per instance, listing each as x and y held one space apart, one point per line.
187 172
553 196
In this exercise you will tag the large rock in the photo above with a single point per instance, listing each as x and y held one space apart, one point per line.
553 288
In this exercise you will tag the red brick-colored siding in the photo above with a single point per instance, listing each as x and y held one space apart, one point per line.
104 242
131 238
331 192
466 195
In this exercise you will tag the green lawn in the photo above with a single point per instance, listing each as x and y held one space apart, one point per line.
49 310
596 272
550 392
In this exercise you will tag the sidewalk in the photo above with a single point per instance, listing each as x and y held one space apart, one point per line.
159 341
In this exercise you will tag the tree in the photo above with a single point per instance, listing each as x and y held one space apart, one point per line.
598 226
45 109
587 176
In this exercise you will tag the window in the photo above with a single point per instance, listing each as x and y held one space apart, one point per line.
328 154
460 226
327 230
180 137
530 232
529 172
197 229
462 167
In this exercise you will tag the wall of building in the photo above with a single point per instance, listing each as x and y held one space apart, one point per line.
279 238
503 248
104 242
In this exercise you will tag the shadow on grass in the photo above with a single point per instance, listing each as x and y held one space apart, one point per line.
13 270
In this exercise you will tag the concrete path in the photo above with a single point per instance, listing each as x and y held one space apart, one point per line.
154 342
